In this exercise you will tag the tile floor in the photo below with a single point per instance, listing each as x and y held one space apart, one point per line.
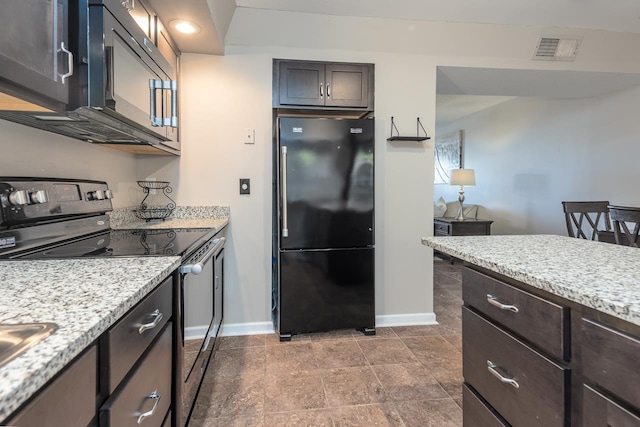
403 376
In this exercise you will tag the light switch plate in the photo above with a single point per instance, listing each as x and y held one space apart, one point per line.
250 136
245 186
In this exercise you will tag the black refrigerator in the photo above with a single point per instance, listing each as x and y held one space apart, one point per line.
324 226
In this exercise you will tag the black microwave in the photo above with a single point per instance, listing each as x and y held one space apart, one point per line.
122 91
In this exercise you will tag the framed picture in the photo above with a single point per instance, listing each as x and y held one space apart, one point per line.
447 155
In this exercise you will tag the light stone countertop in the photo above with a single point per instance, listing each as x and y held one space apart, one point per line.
174 223
598 275
84 297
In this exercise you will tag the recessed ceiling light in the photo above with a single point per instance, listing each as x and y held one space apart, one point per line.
186 27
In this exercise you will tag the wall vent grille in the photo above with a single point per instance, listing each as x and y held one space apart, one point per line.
557 48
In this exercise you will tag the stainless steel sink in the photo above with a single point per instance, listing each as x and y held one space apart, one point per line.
16 339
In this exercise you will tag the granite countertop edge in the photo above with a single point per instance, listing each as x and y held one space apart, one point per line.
598 294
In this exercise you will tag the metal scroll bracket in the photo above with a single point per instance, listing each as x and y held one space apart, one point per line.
416 138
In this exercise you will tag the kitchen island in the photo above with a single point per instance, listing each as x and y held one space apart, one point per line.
551 330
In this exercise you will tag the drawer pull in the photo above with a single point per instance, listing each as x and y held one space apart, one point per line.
492 368
156 322
155 396
494 301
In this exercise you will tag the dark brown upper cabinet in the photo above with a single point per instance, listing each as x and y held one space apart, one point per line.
36 59
323 85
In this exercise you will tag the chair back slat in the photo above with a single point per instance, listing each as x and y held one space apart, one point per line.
622 217
595 213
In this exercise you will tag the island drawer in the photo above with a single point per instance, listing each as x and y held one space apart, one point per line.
598 410
476 413
147 391
522 385
125 342
539 321
610 359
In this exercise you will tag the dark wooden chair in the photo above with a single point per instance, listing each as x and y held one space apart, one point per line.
596 215
622 217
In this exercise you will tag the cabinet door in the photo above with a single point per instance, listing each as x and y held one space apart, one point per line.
34 47
347 85
143 15
301 83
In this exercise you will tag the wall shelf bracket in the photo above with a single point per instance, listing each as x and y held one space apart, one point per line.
397 136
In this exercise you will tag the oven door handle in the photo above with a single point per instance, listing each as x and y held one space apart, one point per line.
197 267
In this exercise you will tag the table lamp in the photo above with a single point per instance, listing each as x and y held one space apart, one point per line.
462 177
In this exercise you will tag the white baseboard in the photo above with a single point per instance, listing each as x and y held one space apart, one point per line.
251 328
195 332
261 328
409 319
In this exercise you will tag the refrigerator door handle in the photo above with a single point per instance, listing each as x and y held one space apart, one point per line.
285 225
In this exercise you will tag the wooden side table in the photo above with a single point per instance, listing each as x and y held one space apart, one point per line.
443 226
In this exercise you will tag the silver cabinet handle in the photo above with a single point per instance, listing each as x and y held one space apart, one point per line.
197 267
155 120
328 90
492 368
131 6
494 301
69 72
321 92
173 120
285 220
155 396
156 321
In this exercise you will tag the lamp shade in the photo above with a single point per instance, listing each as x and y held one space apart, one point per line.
462 177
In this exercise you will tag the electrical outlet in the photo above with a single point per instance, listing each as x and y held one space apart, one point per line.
245 186
250 136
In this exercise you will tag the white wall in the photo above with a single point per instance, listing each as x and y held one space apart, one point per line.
530 154
35 153
224 95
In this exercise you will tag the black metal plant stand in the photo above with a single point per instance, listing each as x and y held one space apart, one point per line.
149 213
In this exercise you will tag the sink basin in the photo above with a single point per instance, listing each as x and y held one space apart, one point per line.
18 338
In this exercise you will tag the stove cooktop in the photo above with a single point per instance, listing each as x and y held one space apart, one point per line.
122 243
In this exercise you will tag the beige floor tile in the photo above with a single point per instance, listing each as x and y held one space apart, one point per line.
237 362
290 357
338 354
415 331
455 340
315 418
430 413
229 422
383 414
292 391
352 386
242 341
408 382
235 398
386 351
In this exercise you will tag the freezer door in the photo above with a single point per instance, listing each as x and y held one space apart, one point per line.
326 183
326 290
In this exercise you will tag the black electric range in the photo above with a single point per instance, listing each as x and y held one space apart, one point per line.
54 219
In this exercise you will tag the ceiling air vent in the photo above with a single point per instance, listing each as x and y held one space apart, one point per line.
557 48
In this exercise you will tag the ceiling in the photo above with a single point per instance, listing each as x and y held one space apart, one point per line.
214 16
621 15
